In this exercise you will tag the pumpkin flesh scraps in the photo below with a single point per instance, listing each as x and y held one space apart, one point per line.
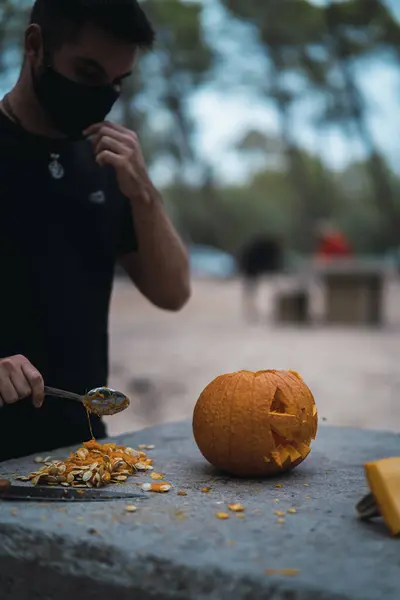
92 465
105 402
255 424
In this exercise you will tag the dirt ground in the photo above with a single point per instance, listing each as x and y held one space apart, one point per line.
164 360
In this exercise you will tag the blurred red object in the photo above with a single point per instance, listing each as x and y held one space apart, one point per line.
332 245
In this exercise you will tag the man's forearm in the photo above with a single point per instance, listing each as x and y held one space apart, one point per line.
160 269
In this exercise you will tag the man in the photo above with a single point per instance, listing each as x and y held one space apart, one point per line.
261 255
75 197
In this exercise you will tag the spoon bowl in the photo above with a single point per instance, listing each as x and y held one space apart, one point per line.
103 401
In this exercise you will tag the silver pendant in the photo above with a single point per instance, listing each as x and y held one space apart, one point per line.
56 169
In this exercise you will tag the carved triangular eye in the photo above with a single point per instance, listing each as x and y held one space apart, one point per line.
278 405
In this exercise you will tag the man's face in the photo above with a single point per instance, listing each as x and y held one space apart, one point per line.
94 58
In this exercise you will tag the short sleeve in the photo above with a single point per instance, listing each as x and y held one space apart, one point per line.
127 241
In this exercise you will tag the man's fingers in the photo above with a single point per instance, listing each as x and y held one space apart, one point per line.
21 384
95 128
18 380
106 157
111 144
36 383
8 392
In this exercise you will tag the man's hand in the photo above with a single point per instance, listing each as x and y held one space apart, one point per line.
160 268
119 147
19 379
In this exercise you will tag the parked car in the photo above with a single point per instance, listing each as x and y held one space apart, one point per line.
206 261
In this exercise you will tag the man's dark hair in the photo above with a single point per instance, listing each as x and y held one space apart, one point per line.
62 20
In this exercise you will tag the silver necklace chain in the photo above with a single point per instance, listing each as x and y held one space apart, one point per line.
55 167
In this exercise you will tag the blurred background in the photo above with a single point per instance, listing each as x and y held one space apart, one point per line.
272 129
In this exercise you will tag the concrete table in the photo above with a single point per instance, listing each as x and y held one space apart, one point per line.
354 291
173 547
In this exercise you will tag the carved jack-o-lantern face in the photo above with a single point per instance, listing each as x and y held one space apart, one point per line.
255 424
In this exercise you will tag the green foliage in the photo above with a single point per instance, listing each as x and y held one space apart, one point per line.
267 204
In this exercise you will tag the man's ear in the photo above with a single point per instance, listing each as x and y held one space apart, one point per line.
34 44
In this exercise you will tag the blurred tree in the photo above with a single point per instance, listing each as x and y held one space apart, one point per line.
165 84
13 15
311 47
284 30
309 51
353 33
266 203
166 80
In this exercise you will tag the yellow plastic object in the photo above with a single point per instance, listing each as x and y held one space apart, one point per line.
383 477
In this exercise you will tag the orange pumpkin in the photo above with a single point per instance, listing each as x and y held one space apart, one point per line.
255 424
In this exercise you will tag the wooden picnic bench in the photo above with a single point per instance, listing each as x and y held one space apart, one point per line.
353 293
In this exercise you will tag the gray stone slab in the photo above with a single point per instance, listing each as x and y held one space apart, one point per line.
173 547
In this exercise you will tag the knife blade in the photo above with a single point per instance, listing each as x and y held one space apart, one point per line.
45 494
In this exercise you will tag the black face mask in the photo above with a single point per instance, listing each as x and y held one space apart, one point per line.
71 106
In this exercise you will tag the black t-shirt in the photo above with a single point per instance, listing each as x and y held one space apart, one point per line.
59 242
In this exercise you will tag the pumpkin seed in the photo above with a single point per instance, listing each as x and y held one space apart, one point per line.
165 488
110 464
117 464
51 479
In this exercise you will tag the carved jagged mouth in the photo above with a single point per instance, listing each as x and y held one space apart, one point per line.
288 451
283 427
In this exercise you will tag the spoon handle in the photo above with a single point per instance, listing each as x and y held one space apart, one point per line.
49 391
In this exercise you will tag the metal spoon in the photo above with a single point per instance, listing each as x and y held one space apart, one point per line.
101 401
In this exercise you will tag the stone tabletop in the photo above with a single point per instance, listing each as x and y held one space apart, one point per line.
174 547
